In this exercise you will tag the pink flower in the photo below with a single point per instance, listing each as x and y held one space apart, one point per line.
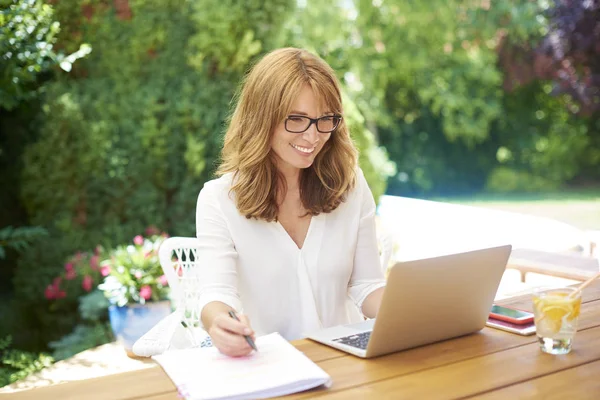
69 267
105 270
138 274
152 230
163 280
138 240
94 261
70 275
49 292
87 282
146 292
53 290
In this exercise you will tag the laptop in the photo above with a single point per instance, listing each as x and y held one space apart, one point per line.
426 301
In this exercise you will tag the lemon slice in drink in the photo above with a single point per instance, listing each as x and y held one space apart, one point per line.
556 312
575 310
548 325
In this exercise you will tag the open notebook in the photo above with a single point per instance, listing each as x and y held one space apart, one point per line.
278 368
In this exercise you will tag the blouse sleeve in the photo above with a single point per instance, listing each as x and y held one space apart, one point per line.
217 254
367 274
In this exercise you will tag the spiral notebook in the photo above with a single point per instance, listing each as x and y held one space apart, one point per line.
277 369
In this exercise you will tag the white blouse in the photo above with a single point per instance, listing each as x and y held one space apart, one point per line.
255 267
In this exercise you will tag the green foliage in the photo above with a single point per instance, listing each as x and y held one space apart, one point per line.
93 331
539 136
17 364
28 34
231 34
506 180
93 306
436 100
82 338
372 159
18 238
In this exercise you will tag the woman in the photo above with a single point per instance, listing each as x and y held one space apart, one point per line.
287 232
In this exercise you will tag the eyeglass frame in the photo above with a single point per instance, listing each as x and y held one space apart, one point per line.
313 121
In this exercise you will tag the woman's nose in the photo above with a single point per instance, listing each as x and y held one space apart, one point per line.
311 134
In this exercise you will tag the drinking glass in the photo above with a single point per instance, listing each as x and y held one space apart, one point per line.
556 314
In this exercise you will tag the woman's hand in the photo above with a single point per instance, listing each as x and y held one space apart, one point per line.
227 335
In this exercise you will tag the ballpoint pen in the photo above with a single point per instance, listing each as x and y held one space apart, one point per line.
233 315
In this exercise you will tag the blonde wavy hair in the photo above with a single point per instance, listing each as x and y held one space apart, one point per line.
265 100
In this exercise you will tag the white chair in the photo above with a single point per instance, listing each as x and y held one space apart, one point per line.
177 256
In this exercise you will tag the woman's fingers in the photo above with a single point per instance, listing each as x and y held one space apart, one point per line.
227 335
229 324
230 343
246 321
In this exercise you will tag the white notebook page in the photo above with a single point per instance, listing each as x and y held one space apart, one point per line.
277 368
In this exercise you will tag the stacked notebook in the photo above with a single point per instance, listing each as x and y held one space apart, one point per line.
277 369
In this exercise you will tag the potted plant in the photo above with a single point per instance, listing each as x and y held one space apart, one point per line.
129 276
136 287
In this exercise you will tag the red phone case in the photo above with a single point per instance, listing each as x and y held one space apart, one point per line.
513 320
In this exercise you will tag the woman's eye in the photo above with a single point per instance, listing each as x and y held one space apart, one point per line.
295 119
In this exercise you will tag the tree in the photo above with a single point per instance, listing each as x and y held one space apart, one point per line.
572 51
28 34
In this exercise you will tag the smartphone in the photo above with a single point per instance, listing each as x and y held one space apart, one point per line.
511 315
520 329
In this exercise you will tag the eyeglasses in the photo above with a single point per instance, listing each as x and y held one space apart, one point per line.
300 123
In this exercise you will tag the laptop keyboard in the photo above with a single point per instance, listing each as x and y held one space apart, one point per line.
359 340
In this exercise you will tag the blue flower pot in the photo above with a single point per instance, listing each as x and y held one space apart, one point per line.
132 321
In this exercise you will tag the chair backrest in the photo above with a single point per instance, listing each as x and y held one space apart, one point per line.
178 257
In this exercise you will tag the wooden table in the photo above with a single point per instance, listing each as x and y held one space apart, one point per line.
490 364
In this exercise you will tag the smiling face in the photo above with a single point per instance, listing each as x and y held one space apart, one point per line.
295 151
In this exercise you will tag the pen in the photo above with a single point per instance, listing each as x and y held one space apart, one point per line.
248 338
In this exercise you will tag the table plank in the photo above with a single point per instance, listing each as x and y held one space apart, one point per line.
480 374
591 293
317 352
560 385
122 386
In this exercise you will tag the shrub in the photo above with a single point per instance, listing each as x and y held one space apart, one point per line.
17 364
127 274
506 180
94 330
